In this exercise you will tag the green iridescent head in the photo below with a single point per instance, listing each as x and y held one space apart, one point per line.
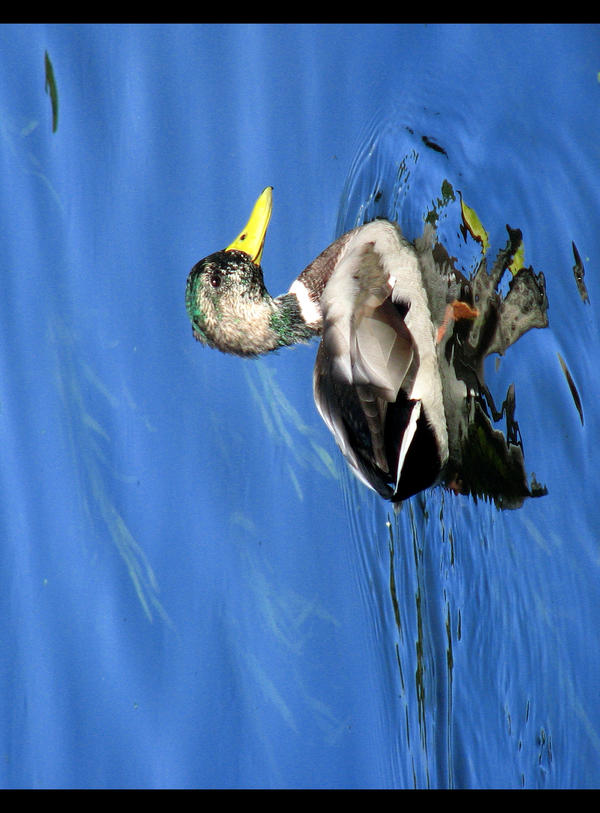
225 299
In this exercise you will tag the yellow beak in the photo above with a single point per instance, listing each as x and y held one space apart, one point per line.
252 239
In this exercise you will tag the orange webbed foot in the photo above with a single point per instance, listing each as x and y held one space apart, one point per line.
454 311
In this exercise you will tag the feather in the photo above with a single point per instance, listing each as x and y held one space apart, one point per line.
369 361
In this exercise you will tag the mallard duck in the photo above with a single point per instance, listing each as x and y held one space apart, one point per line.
377 382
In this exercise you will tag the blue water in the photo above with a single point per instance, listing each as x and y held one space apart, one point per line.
194 591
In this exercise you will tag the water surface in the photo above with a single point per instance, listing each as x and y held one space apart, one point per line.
195 591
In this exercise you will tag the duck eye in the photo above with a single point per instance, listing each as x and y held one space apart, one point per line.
215 279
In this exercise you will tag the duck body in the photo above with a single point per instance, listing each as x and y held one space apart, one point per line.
376 379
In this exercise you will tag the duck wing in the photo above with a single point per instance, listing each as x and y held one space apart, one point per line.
366 366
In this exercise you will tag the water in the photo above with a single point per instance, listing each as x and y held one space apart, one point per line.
195 591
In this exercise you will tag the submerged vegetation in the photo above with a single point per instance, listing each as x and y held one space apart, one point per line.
51 90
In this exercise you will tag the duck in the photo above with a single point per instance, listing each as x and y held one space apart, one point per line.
376 381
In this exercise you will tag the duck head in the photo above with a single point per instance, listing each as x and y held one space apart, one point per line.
225 294
226 288
228 303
